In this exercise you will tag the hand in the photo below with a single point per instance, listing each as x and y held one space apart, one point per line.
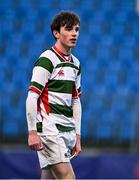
34 141
77 148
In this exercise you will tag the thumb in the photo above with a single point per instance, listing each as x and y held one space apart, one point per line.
41 146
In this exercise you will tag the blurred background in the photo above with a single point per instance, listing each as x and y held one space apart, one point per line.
108 49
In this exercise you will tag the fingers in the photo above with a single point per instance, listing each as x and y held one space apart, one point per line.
41 148
75 151
37 147
35 142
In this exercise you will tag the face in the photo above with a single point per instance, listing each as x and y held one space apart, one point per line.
67 37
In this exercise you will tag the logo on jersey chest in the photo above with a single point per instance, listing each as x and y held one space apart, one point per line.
61 73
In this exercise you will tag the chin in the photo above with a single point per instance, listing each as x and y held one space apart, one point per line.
71 46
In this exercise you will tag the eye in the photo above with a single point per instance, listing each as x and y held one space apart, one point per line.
77 29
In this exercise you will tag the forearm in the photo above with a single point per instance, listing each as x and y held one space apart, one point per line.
77 112
31 110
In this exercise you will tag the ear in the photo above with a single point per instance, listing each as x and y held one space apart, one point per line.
56 34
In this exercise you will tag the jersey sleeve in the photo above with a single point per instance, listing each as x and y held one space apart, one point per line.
41 72
77 87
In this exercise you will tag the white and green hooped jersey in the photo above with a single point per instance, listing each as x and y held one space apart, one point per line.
57 81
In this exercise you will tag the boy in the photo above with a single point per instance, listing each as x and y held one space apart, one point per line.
53 105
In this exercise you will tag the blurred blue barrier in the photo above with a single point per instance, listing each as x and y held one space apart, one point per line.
24 165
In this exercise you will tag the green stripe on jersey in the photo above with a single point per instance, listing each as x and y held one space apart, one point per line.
61 86
37 85
79 72
60 58
45 63
79 90
66 64
60 109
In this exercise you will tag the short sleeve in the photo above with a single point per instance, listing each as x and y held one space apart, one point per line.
41 72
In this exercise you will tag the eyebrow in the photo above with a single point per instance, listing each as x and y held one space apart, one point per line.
70 26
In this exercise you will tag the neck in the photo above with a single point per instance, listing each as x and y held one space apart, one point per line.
65 50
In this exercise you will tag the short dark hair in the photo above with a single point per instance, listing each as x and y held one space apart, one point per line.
67 18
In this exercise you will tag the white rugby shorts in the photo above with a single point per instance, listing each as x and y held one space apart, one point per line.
57 148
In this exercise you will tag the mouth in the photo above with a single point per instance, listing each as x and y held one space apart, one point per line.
73 40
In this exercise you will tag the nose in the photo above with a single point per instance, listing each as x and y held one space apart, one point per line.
75 33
